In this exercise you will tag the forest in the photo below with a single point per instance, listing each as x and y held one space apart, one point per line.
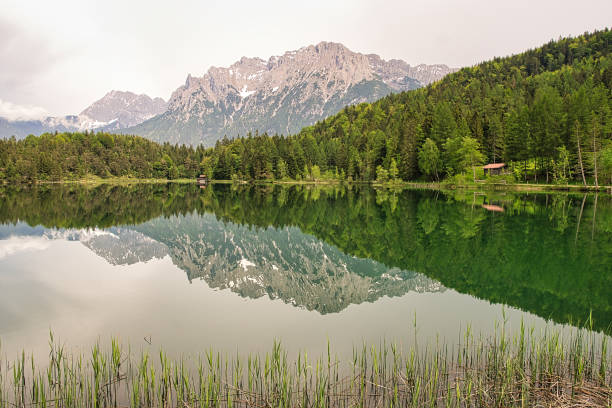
546 112
74 156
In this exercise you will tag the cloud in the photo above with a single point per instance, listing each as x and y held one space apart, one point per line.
64 54
14 245
26 57
12 111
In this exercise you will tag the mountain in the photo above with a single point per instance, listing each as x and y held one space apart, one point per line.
115 110
546 112
22 128
123 109
280 95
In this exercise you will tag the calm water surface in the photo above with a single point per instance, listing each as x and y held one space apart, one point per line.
187 269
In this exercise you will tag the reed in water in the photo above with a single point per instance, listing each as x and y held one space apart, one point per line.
526 368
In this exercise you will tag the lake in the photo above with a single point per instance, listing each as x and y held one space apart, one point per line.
236 267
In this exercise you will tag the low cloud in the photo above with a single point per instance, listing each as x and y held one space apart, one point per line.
13 111
14 245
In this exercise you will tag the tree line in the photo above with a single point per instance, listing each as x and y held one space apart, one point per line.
65 156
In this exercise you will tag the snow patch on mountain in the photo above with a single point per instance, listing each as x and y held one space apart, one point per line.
245 263
244 92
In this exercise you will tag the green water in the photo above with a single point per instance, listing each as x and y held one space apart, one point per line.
296 263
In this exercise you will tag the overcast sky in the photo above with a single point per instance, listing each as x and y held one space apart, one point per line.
58 56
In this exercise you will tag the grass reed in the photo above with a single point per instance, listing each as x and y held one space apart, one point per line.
523 369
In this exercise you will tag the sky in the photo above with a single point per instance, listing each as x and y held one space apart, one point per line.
57 57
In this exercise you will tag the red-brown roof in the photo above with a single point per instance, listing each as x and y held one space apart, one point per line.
491 207
494 166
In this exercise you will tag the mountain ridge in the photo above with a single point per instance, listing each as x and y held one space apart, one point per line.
114 111
281 94
127 108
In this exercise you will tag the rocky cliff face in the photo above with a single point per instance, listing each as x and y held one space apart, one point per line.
280 95
115 110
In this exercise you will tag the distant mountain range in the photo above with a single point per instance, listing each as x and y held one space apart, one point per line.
280 95
115 110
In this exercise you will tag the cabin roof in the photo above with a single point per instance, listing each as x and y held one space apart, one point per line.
494 166
492 207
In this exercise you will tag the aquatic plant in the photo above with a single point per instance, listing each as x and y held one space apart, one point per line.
526 368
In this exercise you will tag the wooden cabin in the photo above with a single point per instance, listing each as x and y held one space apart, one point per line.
202 179
495 169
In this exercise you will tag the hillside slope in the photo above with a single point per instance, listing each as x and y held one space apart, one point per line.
530 108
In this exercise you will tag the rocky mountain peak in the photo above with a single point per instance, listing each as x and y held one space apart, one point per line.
331 65
281 94
126 108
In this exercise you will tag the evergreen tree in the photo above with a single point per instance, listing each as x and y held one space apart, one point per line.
443 123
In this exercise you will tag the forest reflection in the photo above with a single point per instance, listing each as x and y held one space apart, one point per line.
549 254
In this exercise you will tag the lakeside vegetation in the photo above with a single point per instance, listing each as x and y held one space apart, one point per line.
520 369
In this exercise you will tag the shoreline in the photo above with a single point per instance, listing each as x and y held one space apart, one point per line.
438 186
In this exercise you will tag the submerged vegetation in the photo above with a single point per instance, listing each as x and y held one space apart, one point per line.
502 370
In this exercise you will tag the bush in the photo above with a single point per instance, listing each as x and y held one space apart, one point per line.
501 179
460 179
